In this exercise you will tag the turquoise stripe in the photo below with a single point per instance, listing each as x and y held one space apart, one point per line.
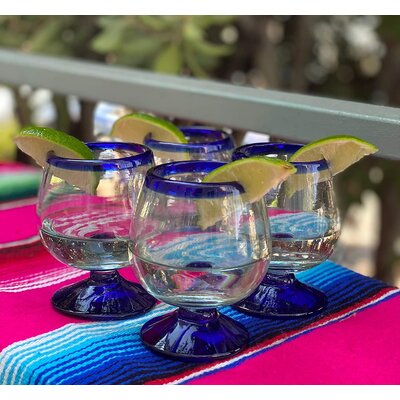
46 344
89 348
18 185
90 359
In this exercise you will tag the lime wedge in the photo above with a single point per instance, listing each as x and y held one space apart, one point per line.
135 127
257 175
38 142
339 151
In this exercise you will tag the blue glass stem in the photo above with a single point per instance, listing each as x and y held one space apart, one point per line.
282 295
105 295
195 335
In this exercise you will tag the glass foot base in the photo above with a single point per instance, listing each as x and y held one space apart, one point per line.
105 295
195 336
283 296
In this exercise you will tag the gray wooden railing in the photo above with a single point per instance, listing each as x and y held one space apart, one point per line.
292 116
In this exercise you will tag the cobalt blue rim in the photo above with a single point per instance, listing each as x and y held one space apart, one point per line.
277 148
158 180
222 142
144 156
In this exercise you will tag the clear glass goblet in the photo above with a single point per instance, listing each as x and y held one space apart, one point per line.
305 227
85 209
204 143
197 268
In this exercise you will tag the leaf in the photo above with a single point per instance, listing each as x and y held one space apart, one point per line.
110 38
194 65
205 21
105 21
143 46
194 37
191 32
211 49
46 35
169 60
140 51
160 22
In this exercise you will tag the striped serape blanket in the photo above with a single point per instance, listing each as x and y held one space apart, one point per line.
354 341
18 180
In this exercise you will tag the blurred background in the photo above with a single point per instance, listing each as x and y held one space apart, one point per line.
345 57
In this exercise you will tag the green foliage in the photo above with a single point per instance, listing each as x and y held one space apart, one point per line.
168 44
206 21
55 35
111 36
390 27
169 60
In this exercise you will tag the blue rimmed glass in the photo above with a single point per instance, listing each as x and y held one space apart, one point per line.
203 144
305 226
85 209
197 246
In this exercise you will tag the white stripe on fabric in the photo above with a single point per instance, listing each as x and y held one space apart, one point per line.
47 279
34 276
18 203
21 242
54 271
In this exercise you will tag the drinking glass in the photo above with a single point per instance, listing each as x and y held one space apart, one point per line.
204 143
305 226
85 208
197 266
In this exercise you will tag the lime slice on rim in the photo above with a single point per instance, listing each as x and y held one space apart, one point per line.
135 127
339 151
257 175
38 142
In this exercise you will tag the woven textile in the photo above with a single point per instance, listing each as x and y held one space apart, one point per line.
353 341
